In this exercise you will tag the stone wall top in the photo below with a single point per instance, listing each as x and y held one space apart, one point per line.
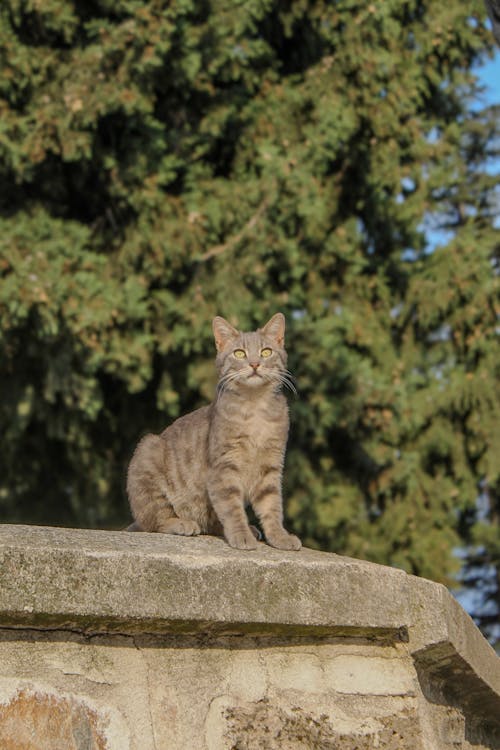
99 581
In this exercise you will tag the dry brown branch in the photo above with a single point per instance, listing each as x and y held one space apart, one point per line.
236 238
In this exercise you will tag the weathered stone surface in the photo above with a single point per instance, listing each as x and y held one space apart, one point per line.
359 674
119 641
63 723
188 584
262 726
34 716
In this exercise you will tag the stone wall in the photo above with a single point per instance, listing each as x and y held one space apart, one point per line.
116 641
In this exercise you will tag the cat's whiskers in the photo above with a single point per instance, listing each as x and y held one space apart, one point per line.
286 378
225 381
282 378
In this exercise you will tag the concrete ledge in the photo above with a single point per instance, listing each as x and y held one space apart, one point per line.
96 582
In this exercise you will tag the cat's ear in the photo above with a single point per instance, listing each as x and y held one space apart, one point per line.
223 332
275 329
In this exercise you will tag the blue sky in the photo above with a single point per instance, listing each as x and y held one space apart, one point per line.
489 74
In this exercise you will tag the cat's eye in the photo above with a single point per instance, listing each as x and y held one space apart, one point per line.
266 352
240 353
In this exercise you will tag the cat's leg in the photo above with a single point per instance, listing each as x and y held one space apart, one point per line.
267 503
174 525
148 491
156 514
182 526
226 495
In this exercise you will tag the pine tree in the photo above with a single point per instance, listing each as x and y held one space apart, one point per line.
165 162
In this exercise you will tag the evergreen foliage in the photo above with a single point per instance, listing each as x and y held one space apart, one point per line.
161 163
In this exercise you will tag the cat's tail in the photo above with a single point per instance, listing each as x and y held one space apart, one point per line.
134 527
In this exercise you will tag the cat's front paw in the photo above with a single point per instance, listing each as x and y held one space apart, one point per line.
284 540
242 539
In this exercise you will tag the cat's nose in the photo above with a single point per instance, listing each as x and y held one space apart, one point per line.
255 365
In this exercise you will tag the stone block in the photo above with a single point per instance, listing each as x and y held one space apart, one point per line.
117 641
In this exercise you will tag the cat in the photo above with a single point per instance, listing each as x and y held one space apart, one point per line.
197 476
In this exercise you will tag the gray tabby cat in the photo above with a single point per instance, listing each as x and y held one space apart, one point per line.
198 474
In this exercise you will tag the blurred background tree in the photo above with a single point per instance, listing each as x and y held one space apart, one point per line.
161 163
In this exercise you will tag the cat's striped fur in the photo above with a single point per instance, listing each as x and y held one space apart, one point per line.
197 476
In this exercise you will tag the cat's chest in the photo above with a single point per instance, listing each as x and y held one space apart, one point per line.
254 427
253 430
255 421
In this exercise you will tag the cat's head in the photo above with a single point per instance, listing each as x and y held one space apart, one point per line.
251 360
